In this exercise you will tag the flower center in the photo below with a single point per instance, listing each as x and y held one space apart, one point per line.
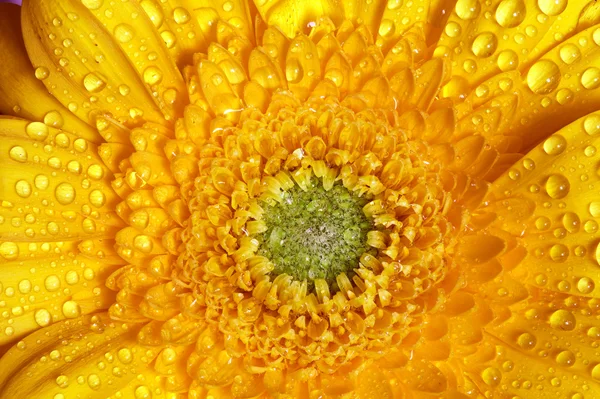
315 233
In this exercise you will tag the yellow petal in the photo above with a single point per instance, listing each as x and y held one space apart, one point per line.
557 176
95 358
96 69
21 94
294 17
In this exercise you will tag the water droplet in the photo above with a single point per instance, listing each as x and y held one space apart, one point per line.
491 376
142 392
564 96
557 186
552 7
95 172
543 77
41 73
125 355
293 71
596 372
591 124
562 320
152 75
42 317
510 13
467 9
566 358
508 60
559 253
65 193
484 45
542 223
124 33
92 4
590 79
54 119
71 309
93 83
569 53
153 11
555 144
94 381
169 38
23 189
37 131
18 153
97 198
527 341
387 28
452 29
181 15
41 182
52 283
585 285
571 222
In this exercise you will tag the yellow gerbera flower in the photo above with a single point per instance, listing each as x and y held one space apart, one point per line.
300 199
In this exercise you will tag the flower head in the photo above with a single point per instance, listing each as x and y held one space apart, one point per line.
299 200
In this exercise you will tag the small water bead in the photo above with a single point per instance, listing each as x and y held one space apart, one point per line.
452 29
510 13
181 15
153 11
559 253
42 317
152 75
124 33
23 189
527 341
590 79
97 198
555 144
143 392
80 145
585 285
169 38
65 193
552 7
93 83
566 358
125 356
71 309
387 28
18 153
569 53
508 60
491 376
467 9
591 124
543 77
74 167
54 119
557 186
94 381
95 172
293 71
590 151
41 182
92 4
37 131
542 223
562 320
571 222
41 73
470 66
52 283
564 96
24 286
484 45
594 332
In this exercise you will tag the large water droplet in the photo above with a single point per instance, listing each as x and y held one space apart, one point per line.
562 320
590 79
484 45
557 186
510 13
153 11
124 33
18 153
65 193
543 77
152 75
92 4
555 144
467 9
93 83
552 7
569 53
37 131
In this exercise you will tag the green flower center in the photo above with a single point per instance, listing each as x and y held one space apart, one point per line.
315 234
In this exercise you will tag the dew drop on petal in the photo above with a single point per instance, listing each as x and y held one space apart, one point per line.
562 320
543 77
590 79
93 83
510 13
591 124
569 53
552 7
65 193
467 9
557 186
124 33
484 45
555 144
18 153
